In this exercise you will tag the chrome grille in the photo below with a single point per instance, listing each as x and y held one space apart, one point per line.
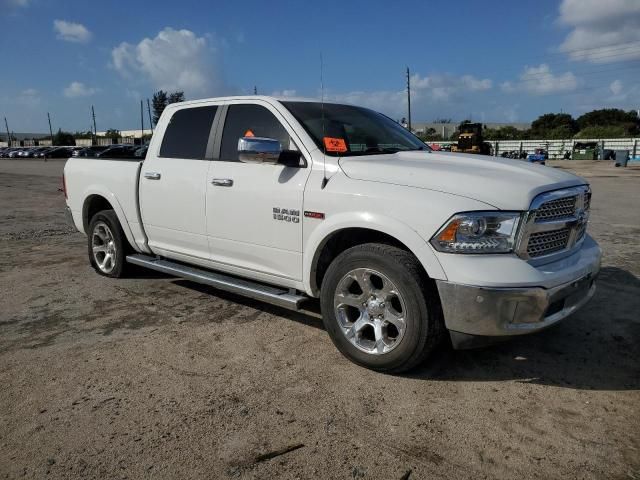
557 209
555 223
543 243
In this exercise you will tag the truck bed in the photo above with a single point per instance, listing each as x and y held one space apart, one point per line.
115 179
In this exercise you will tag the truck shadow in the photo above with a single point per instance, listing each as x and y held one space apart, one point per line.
310 316
596 349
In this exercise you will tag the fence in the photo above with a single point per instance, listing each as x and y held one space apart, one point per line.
557 148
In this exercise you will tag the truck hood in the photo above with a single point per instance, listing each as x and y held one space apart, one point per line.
501 182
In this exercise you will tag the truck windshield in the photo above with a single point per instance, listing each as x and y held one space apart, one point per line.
345 130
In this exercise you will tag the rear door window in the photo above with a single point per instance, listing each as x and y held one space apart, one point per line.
187 134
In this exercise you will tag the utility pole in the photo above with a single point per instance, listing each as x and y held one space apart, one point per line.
149 112
141 123
95 131
8 134
408 99
50 129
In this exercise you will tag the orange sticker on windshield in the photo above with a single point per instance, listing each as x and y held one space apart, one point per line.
335 144
249 133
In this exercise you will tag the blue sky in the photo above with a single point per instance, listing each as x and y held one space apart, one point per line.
489 61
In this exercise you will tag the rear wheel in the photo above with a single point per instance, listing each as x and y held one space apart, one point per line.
379 309
107 244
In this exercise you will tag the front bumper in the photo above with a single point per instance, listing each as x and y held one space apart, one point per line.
499 312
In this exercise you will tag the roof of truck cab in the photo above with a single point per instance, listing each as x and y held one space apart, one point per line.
252 97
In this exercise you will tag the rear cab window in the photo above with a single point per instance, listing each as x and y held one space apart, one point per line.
187 134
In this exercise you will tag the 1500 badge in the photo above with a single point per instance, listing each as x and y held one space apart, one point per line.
286 215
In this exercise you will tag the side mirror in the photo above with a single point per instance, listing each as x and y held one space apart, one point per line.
266 150
258 150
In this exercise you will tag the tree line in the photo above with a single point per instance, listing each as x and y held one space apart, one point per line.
603 123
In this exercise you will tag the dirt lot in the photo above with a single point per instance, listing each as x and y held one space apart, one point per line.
158 377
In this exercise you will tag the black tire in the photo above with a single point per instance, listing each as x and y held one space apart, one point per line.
121 247
424 326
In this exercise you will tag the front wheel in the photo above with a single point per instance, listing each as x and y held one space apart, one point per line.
379 309
107 244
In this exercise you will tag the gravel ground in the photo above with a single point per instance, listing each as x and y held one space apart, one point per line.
159 377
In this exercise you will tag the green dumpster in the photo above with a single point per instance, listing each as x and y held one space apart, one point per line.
585 151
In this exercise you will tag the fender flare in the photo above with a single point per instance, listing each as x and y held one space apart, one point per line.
372 221
117 208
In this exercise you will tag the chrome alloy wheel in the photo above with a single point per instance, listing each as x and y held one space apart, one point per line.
370 311
103 247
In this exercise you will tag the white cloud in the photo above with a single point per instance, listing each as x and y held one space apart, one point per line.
284 93
602 31
617 94
476 84
71 32
427 90
541 80
173 60
29 97
14 3
79 89
444 86
393 103
616 87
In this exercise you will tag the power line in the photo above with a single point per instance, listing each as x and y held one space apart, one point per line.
600 57
596 59
534 77
614 46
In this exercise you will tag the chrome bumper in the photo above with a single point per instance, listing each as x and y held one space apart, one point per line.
496 312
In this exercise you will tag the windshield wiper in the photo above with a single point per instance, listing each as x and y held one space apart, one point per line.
373 150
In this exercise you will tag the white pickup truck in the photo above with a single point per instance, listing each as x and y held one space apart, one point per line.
283 200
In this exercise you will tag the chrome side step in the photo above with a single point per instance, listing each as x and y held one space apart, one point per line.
258 291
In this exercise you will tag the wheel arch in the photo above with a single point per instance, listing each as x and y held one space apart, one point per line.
96 201
330 239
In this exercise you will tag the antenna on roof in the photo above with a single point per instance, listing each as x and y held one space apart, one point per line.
324 147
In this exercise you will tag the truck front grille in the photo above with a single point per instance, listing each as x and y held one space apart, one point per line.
557 209
557 221
543 243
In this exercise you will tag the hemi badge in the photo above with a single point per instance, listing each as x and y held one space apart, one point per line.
318 215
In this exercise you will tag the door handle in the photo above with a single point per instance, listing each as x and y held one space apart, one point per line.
152 175
222 182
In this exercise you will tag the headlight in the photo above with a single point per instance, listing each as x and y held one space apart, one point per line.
478 232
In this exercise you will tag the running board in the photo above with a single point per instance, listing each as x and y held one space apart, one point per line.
258 291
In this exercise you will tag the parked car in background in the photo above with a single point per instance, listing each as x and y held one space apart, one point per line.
41 153
59 152
118 151
141 152
90 151
540 155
